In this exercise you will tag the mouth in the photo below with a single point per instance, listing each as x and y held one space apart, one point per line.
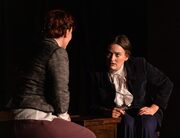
113 64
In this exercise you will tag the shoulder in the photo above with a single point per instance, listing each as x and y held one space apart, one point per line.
136 64
60 52
136 61
49 44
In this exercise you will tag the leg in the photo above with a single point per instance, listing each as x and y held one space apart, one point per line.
146 126
126 127
58 128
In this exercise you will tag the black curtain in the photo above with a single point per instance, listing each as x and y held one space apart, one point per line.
152 26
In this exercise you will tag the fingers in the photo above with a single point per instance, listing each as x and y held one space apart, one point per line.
143 111
120 110
117 112
146 111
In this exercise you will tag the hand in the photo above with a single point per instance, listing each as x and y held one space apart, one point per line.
117 112
148 110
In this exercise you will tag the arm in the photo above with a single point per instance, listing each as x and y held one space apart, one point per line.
59 70
159 88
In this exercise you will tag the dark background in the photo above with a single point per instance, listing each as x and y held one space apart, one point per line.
152 26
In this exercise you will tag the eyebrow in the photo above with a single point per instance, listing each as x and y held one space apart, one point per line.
115 52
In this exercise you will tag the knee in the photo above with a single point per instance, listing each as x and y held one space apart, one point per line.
149 122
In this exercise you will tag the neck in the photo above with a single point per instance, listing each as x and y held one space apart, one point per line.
60 42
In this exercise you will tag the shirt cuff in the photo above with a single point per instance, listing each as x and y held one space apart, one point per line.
65 116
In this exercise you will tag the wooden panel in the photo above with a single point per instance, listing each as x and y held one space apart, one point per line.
102 127
104 131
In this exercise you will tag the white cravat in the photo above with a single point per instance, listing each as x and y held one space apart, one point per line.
123 96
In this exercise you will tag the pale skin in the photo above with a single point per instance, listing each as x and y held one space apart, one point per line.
64 40
117 56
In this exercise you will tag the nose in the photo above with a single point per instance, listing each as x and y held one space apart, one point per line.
113 57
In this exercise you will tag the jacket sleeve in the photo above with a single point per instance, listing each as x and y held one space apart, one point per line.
58 67
161 83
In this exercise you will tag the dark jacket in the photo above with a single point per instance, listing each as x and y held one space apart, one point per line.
146 83
43 83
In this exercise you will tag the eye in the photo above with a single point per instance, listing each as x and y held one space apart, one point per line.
117 54
109 54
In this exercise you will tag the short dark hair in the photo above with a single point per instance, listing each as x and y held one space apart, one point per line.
57 22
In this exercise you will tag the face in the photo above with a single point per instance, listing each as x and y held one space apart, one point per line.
116 57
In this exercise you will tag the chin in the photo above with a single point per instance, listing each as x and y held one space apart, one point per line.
113 69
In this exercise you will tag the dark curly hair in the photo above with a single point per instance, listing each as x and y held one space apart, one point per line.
57 22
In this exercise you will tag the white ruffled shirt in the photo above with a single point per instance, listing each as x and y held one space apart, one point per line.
123 96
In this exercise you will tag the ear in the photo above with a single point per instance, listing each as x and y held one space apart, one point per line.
126 57
68 32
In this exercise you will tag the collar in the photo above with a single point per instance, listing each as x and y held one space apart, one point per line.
121 72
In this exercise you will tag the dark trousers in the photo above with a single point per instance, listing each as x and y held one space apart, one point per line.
144 126
58 128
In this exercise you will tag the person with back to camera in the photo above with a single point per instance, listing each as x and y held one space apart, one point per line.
130 88
39 108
